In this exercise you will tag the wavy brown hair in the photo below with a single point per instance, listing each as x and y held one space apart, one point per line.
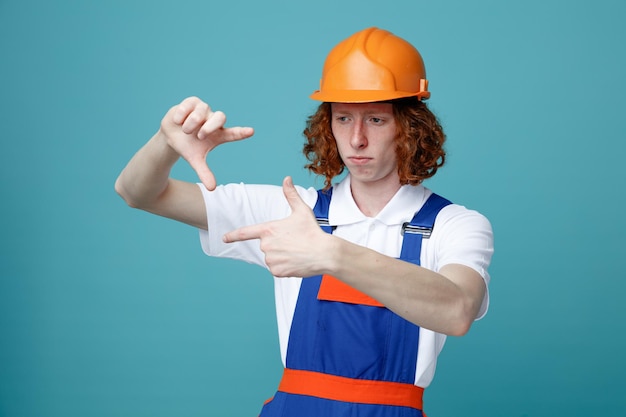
419 143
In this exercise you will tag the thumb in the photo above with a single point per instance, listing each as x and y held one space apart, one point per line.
291 194
204 173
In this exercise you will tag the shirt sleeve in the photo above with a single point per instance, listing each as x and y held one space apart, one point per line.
464 237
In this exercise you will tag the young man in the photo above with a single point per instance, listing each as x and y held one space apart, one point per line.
389 267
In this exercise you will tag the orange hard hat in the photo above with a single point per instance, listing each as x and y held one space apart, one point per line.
372 65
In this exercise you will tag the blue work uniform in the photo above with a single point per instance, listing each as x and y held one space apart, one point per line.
347 354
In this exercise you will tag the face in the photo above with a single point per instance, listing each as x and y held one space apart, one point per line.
365 134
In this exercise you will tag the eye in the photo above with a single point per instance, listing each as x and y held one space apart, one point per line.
342 119
377 120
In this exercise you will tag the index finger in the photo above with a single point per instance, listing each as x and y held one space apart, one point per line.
232 134
243 233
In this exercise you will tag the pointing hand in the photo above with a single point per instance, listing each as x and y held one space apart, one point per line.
293 246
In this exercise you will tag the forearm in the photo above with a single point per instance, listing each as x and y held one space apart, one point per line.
443 303
146 175
446 301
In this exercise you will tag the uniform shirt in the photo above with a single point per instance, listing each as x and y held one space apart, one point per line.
460 236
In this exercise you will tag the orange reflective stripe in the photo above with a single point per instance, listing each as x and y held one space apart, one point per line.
332 289
351 390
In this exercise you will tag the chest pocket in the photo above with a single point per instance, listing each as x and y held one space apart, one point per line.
332 289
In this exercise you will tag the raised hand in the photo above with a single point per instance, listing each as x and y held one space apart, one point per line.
293 246
193 129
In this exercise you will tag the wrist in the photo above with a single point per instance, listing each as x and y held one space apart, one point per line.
163 148
334 247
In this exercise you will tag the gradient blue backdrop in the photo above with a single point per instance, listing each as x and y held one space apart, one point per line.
107 311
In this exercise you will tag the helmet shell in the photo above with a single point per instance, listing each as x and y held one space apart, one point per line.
372 65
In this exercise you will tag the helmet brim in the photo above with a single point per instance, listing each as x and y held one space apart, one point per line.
364 96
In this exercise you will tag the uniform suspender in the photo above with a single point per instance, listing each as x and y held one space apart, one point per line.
321 209
420 227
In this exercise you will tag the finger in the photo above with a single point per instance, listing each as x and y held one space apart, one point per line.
197 117
217 122
204 173
182 110
213 121
292 196
244 233
232 134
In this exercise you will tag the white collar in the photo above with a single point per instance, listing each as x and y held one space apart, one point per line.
401 208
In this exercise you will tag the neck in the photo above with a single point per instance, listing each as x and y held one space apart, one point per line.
371 199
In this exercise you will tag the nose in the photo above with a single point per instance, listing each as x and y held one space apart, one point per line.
358 140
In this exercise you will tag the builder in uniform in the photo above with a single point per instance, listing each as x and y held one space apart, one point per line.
389 267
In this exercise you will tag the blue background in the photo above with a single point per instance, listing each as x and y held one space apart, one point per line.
108 311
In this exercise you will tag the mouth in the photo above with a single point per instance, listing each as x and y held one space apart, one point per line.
359 160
